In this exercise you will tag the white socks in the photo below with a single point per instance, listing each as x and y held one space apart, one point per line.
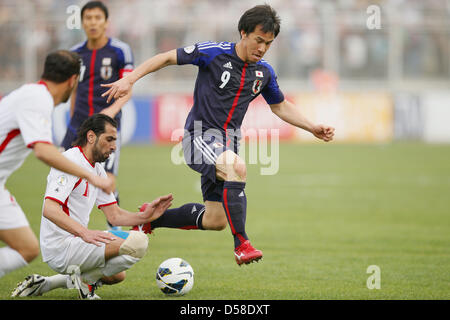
57 281
112 267
118 264
10 260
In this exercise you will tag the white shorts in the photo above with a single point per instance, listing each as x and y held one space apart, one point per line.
11 214
78 252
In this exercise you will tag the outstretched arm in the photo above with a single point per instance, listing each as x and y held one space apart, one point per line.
122 87
115 108
121 217
288 112
48 154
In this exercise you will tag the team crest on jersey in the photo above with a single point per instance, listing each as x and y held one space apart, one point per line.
106 69
257 86
62 180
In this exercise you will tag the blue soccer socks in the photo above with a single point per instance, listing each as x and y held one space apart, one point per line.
188 216
234 202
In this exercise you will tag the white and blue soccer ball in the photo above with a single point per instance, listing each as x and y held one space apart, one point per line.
175 277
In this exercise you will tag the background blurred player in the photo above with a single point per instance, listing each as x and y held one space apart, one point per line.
25 125
104 60
230 76
85 256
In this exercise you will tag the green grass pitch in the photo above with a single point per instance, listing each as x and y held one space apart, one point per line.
330 212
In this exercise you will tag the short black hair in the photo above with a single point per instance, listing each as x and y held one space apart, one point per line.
95 4
60 65
263 15
96 123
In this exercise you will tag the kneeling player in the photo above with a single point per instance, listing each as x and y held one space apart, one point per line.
87 258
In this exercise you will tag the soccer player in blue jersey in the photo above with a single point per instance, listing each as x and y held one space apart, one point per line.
230 76
104 60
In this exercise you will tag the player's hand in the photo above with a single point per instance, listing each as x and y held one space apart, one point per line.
117 89
96 237
106 184
325 133
157 207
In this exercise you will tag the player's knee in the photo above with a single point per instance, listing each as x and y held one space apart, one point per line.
240 169
231 167
135 245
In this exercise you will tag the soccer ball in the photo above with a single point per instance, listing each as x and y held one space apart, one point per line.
175 277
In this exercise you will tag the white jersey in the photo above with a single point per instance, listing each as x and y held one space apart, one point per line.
25 119
77 198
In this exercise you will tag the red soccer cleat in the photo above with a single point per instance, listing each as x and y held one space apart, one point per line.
245 253
146 227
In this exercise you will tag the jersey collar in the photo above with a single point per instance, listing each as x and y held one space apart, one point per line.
81 150
108 43
240 60
42 82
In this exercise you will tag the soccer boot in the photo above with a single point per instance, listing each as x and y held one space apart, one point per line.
31 286
85 291
245 253
92 295
146 227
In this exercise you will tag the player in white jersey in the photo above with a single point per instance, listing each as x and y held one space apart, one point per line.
83 257
25 125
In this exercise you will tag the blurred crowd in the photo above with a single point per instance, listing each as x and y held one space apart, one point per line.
411 43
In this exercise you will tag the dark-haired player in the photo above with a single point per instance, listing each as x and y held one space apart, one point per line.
25 125
86 258
230 76
104 60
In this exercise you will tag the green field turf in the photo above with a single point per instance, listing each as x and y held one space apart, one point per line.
330 212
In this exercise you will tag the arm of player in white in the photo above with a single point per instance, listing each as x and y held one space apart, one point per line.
53 212
122 87
290 113
121 217
50 155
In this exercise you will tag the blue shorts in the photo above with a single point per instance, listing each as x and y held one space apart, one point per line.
200 153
